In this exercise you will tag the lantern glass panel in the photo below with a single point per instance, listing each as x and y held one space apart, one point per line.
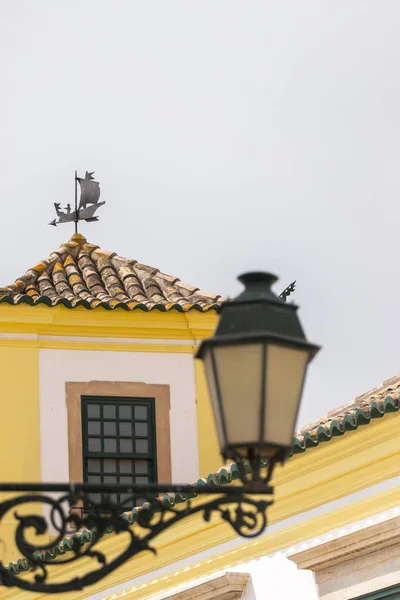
285 372
212 388
239 371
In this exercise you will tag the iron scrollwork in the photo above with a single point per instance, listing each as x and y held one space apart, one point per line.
75 516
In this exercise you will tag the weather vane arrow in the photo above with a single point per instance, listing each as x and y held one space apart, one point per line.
88 204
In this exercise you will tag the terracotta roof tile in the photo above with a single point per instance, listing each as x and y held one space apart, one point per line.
79 273
372 404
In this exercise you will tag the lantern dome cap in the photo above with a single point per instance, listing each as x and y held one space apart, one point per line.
257 277
258 313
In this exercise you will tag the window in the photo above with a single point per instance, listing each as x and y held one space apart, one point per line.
122 392
118 443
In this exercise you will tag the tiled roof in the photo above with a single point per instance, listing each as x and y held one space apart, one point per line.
82 274
371 405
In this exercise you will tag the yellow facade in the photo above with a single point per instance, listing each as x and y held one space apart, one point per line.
80 329
320 475
19 443
328 472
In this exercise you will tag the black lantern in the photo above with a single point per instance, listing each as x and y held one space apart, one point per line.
255 367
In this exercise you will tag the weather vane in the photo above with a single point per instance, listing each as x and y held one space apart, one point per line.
88 204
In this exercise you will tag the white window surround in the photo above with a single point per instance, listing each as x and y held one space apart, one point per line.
57 367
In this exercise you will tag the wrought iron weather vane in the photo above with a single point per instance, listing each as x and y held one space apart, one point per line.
88 203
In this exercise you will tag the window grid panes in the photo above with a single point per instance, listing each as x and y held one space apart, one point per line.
118 437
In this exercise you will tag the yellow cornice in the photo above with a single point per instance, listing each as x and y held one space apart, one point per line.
82 322
333 470
98 346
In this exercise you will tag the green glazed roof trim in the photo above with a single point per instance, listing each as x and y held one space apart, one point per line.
347 422
323 433
24 299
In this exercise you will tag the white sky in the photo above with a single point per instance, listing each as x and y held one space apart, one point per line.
227 136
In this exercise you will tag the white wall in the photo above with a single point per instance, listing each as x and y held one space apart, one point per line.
175 369
362 575
277 577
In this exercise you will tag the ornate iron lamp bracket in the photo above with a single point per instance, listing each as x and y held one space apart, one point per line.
79 523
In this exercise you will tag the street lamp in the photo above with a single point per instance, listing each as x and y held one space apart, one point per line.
255 366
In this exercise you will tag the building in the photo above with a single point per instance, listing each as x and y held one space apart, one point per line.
96 344
88 323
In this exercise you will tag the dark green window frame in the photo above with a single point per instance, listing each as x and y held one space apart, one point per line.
119 442
390 593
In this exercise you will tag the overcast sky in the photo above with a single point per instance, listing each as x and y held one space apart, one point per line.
227 136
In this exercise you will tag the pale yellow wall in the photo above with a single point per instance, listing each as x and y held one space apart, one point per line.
356 461
29 329
321 475
20 434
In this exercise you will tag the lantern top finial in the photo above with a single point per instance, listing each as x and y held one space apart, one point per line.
257 285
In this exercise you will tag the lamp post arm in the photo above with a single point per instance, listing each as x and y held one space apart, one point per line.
81 522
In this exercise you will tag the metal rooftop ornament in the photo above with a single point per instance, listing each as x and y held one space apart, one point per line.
287 291
88 204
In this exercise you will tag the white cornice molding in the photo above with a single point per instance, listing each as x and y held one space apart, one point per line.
229 586
350 546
